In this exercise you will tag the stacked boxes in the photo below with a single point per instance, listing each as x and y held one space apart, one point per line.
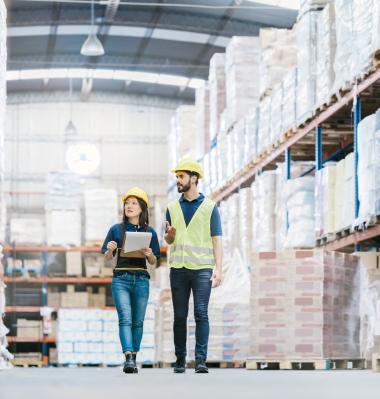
305 305
72 299
183 123
276 128
251 126
88 336
101 211
242 77
27 231
263 135
217 86
29 329
289 87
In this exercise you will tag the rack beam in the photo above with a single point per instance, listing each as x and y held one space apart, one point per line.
63 280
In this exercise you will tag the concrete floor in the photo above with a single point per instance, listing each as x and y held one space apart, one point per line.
53 383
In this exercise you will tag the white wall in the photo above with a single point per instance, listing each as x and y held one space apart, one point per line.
130 132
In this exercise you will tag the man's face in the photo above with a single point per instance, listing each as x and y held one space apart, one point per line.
183 182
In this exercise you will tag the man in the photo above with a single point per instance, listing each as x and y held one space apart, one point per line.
193 229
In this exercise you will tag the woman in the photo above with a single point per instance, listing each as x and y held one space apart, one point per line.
130 283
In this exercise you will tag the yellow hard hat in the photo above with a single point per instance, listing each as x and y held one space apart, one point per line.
138 193
189 165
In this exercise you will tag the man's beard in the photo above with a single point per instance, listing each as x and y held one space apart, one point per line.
184 188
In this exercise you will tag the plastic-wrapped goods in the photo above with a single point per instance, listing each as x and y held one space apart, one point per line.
264 218
206 181
27 231
101 212
214 184
276 113
230 155
245 222
185 126
375 40
299 199
217 86
263 136
310 5
251 126
325 199
369 166
3 67
306 34
172 144
63 191
326 46
305 305
363 12
278 55
349 190
239 144
289 87
202 105
242 76
63 227
297 169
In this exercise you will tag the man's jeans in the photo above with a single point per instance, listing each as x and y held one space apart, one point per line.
130 293
182 282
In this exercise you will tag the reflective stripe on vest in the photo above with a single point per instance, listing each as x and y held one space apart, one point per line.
192 247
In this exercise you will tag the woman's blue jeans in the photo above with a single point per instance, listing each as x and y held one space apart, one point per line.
130 293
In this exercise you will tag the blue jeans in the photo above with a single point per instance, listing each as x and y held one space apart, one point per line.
182 282
130 293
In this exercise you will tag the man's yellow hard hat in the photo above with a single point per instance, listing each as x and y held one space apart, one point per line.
138 193
189 165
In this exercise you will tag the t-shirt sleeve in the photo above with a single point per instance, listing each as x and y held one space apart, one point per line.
216 223
155 245
109 237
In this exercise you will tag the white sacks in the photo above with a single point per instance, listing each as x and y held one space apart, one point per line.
27 231
101 212
369 166
299 198
326 45
63 227
306 34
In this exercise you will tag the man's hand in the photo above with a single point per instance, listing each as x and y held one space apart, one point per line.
216 278
111 246
170 233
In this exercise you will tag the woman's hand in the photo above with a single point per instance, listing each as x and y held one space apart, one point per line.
111 246
147 252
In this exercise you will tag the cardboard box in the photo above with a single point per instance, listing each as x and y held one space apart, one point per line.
73 263
29 328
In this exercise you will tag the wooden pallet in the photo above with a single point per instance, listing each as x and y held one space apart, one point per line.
27 363
343 232
326 238
303 364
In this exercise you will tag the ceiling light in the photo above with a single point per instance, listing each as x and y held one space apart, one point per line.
92 47
71 130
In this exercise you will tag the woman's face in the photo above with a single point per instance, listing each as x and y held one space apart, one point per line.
132 207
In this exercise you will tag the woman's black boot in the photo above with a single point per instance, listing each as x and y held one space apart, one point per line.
136 370
129 364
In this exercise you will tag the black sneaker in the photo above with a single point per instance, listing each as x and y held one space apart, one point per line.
136 370
180 365
129 364
200 367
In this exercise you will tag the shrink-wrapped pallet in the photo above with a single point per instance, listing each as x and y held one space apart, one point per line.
252 125
202 119
242 77
263 135
217 86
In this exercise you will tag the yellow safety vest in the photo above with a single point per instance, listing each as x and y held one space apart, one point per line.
192 247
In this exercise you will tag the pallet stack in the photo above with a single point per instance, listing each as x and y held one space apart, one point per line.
305 306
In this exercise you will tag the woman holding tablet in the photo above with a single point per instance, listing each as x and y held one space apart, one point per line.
130 283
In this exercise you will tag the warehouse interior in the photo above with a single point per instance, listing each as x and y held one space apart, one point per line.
279 102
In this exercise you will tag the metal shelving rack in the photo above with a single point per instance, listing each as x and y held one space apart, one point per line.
335 130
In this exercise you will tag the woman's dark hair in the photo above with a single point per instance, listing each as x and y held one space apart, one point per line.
144 215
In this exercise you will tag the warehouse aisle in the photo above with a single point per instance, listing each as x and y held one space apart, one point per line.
162 383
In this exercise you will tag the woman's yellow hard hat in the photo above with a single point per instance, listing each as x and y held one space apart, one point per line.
138 193
189 165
